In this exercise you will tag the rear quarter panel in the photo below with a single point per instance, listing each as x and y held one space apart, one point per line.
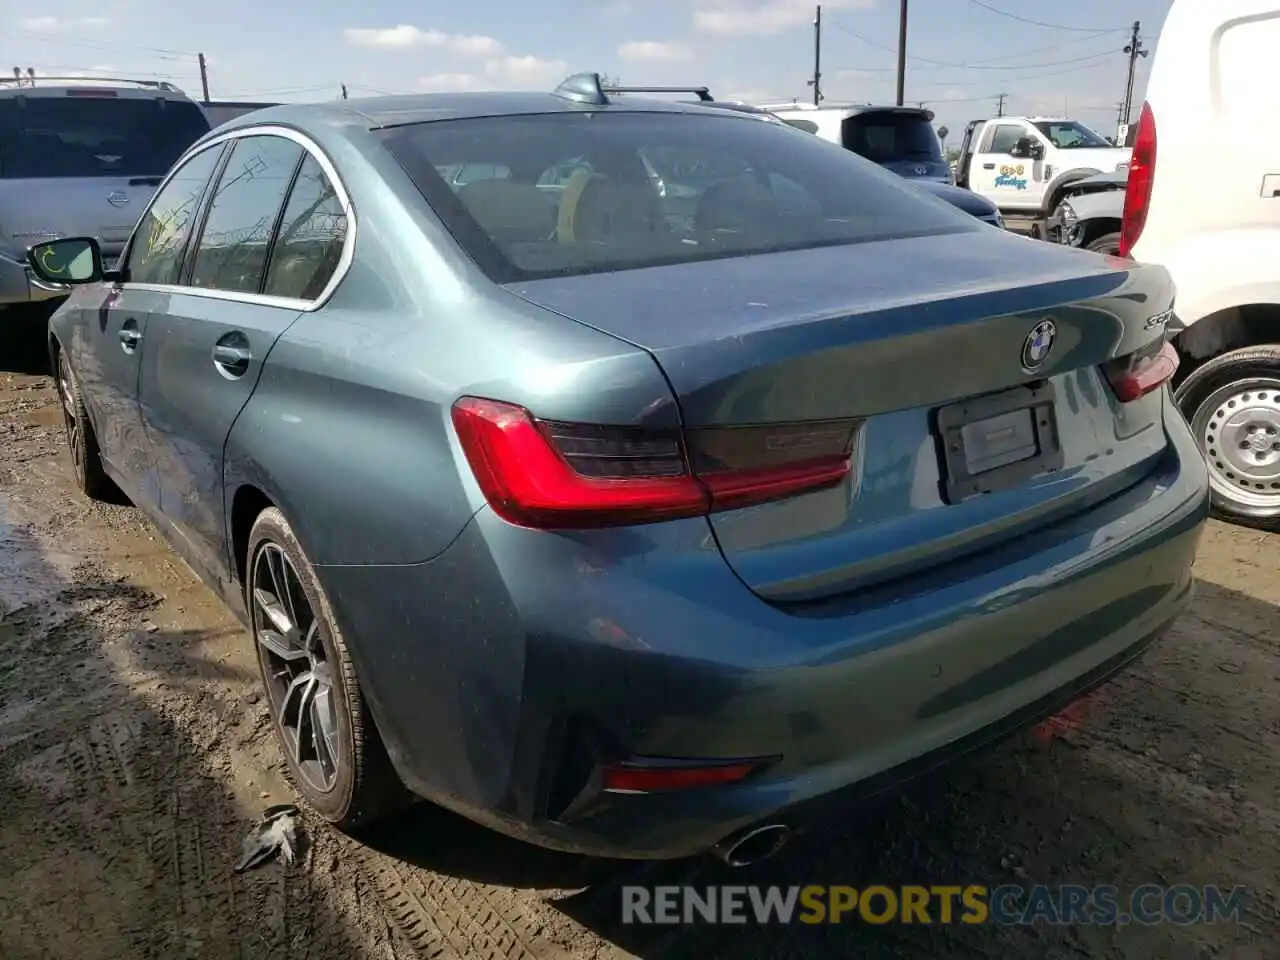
349 432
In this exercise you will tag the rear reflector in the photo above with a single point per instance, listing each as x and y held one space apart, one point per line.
1143 371
551 475
625 778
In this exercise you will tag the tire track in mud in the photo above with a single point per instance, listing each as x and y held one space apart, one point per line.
131 801
449 918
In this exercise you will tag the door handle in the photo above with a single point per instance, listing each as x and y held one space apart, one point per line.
130 336
231 355
988 166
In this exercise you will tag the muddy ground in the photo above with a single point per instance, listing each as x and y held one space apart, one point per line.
135 751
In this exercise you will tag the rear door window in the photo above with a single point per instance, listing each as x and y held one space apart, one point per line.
234 245
312 236
889 137
97 135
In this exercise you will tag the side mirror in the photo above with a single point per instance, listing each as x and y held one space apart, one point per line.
73 261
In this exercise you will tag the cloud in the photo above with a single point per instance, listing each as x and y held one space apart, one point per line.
448 83
52 24
737 18
499 73
654 51
407 37
527 71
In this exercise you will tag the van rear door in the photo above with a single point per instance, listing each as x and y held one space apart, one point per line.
901 139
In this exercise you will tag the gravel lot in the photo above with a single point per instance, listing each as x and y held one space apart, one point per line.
135 752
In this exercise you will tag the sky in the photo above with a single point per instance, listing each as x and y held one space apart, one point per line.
961 53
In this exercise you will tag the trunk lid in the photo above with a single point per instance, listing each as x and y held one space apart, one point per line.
913 336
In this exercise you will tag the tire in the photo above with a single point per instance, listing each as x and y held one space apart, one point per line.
86 460
1108 243
359 786
1233 406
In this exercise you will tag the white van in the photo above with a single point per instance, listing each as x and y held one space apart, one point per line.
1203 200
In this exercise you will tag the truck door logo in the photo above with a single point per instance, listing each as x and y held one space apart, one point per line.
1012 176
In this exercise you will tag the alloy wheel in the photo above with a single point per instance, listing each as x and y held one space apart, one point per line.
70 411
297 668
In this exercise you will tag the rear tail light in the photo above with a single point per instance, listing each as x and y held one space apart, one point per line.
553 475
1139 373
1142 174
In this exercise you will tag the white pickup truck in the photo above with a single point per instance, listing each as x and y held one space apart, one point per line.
1022 164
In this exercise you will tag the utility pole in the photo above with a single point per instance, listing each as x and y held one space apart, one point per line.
902 52
1000 102
1134 50
816 82
344 91
204 76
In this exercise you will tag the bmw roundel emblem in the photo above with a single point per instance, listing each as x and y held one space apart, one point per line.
1038 345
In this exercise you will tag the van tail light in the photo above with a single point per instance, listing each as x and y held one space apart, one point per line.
552 475
1139 373
1142 176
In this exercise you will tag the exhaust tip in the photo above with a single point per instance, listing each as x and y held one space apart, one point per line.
759 843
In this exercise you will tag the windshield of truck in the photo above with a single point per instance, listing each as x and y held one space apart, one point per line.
94 136
1069 135
886 137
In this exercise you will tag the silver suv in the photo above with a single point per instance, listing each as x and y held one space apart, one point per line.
81 158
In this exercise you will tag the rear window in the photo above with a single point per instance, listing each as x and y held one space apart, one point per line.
889 137
97 136
599 191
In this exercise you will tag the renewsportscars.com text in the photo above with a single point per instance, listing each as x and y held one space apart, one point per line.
1009 905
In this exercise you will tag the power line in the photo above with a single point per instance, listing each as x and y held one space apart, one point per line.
159 53
1035 23
1091 58
89 72
277 92
975 64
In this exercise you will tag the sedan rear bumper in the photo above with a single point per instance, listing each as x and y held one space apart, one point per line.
507 671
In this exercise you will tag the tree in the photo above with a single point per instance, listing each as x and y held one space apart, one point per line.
942 135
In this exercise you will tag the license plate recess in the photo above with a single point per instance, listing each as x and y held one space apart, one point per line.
998 441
